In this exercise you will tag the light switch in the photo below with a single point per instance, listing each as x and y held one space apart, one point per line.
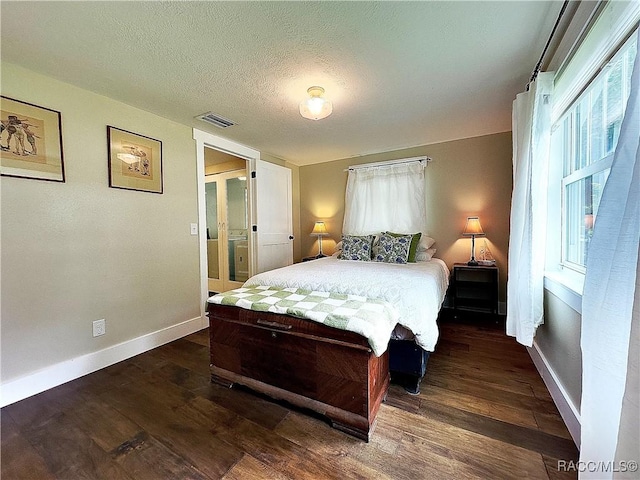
194 229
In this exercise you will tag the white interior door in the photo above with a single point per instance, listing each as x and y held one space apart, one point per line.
273 228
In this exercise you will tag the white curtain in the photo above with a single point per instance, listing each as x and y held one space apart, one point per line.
386 197
608 316
531 141
628 436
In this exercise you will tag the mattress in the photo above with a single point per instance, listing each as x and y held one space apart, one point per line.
416 290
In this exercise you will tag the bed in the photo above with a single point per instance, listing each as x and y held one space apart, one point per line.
330 370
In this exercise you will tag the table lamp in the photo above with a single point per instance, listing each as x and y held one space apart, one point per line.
320 230
473 229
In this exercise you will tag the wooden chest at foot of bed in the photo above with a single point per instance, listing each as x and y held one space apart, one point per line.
331 371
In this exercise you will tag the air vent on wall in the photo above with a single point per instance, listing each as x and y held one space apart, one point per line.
216 120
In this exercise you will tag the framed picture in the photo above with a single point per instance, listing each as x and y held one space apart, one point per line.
135 161
30 141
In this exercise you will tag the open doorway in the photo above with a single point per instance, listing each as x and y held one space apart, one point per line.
243 158
269 241
227 220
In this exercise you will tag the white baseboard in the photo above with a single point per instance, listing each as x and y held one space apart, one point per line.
566 407
54 375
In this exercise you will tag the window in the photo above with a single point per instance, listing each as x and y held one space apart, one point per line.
585 137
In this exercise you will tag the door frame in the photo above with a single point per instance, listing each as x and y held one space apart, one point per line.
208 140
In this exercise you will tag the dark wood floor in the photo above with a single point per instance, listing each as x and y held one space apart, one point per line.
483 413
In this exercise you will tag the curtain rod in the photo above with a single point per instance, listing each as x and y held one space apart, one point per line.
389 162
538 66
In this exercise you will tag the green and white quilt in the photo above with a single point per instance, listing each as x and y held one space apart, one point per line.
373 319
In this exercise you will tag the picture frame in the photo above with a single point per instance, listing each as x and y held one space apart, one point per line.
135 161
30 141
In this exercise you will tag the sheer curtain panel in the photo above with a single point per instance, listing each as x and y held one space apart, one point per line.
385 197
608 315
531 140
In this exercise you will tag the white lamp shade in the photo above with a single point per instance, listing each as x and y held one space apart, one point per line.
473 228
315 107
319 229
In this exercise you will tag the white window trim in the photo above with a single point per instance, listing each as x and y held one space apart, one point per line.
596 167
566 279
615 23
567 285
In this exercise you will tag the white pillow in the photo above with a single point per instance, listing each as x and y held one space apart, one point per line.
426 255
425 243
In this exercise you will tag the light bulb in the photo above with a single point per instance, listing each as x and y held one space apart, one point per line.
315 107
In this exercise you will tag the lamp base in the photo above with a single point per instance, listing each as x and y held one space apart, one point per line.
472 262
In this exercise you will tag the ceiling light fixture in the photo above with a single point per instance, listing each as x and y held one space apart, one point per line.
315 107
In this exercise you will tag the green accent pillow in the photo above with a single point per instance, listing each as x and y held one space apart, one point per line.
415 239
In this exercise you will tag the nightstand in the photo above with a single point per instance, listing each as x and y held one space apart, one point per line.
475 288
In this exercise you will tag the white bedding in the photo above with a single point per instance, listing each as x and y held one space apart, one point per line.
417 290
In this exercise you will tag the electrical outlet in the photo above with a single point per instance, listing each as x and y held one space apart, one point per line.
99 327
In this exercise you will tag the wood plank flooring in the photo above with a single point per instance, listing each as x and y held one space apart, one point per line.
483 412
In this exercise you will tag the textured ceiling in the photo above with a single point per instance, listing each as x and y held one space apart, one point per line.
400 74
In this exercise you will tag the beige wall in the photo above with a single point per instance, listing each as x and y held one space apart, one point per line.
559 340
472 176
80 251
216 161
